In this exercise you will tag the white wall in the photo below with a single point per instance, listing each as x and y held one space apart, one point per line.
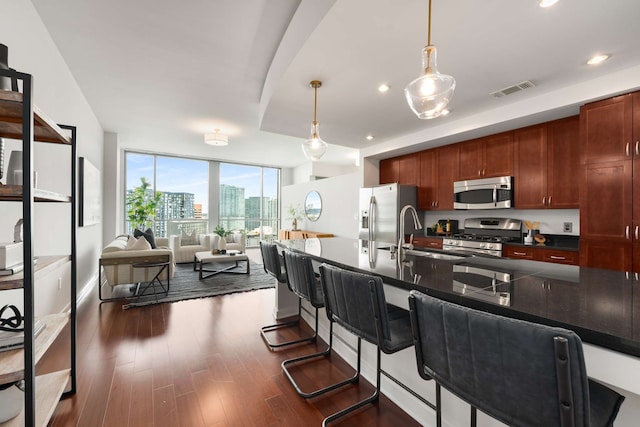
56 93
339 204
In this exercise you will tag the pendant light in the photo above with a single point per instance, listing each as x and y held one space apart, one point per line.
429 94
314 147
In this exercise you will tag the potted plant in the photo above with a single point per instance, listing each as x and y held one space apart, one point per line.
295 215
142 204
223 233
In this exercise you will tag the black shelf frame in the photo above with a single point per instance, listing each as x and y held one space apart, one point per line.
28 205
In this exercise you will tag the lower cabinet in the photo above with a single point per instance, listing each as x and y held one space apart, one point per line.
427 242
535 253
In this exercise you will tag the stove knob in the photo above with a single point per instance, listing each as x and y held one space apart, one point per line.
489 245
482 245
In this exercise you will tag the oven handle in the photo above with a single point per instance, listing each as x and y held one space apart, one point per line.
495 195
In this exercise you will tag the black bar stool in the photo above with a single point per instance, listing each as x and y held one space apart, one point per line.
521 373
271 260
304 283
357 303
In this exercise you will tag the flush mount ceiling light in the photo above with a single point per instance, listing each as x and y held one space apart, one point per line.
547 3
383 88
597 59
216 138
429 94
314 147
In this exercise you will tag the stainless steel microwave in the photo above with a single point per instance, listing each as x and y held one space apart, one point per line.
486 193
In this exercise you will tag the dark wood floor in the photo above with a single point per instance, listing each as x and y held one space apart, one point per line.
198 363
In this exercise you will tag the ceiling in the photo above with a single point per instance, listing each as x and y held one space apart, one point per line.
162 73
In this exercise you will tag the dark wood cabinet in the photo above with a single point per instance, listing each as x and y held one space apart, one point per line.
606 128
558 256
518 252
438 171
427 242
388 171
428 179
563 163
610 185
487 157
547 166
408 169
531 166
541 253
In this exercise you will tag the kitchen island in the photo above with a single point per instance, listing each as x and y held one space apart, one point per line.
601 306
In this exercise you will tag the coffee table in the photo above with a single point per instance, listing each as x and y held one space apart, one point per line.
206 257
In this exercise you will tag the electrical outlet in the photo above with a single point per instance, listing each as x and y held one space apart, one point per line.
568 227
59 283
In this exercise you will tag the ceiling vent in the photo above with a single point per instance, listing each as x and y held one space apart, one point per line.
512 89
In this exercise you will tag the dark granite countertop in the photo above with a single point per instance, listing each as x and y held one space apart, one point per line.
601 306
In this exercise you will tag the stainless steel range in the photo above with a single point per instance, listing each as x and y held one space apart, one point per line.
484 236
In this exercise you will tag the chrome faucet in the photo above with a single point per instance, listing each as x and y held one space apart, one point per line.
416 224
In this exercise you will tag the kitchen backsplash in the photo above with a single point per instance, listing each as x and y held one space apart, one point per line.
551 221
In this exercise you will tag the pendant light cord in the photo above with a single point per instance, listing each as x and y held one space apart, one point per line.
429 26
315 104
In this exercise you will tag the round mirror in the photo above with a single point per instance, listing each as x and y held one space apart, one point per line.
313 206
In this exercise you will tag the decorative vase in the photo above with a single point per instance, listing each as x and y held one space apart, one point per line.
222 243
294 224
14 170
11 399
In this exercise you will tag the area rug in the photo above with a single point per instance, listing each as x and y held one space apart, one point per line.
186 285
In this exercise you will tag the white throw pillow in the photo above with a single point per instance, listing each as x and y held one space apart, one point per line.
140 244
188 239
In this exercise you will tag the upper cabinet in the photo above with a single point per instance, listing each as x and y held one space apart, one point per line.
487 157
606 128
438 171
546 165
389 170
403 170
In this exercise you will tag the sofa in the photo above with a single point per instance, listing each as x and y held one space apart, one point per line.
116 262
184 253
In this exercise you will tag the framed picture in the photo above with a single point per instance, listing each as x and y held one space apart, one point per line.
89 203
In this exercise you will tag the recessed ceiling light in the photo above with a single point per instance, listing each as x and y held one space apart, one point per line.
547 3
383 88
369 137
597 59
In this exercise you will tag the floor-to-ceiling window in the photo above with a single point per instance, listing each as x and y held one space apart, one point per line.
249 196
249 200
184 184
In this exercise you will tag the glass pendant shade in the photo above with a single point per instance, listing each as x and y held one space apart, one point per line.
314 147
429 94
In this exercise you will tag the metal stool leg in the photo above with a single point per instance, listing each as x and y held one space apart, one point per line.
273 345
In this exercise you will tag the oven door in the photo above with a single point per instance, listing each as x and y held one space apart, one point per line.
488 193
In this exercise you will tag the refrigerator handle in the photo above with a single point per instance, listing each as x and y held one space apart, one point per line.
372 218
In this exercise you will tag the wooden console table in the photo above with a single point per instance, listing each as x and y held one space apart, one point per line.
301 234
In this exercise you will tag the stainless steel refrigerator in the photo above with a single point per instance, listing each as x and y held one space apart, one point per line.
380 208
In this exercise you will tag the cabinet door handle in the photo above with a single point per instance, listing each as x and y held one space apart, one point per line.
636 233
479 172
557 257
544 201
627 150
637 148
626 232
519 253
483 172
549 201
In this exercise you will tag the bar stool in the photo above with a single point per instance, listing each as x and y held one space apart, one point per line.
306 285
273 267
357 303
521 373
